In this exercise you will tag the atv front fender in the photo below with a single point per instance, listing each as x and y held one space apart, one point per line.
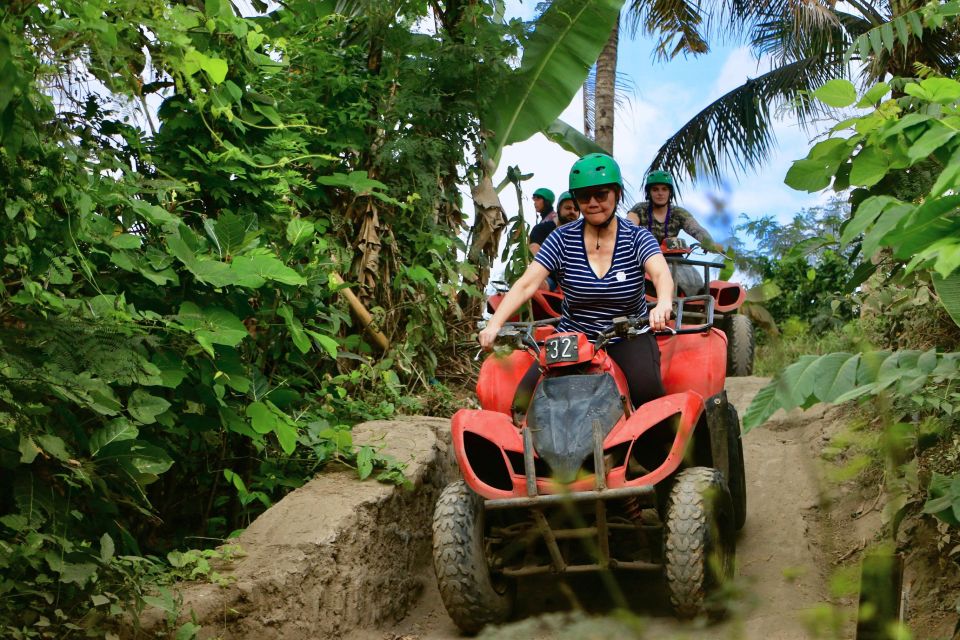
480 439
662 431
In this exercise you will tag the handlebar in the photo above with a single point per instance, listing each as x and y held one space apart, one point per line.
521 333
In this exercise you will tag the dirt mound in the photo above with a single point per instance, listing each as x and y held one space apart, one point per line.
334 555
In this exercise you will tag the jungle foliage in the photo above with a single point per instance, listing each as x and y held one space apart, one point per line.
182 189
802 266
901 160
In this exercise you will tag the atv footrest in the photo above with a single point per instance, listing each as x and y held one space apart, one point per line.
646 491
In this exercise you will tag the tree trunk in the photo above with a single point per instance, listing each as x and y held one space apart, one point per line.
604 92
588 105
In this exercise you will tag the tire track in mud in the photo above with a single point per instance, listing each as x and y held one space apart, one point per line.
783 554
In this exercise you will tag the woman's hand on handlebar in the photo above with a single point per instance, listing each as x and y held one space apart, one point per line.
488 335
659 316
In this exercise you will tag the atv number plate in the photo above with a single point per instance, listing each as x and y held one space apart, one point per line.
562 349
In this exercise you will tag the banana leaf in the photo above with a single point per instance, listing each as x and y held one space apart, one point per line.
565 43
571 140
949 291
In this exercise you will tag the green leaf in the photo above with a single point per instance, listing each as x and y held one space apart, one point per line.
837 93
326 343
941 90
215 68
570 139
365 462
71 573
212 325
809 175
235 479
263 268
54 446
125 241
28 449
948 290
872 96
869 167
287 436
357 181
297 333
144 407
865 215
188 631
261 417
763 406
566 42
935 137
229 232
142 460
115 431
877 235
299 231
106 548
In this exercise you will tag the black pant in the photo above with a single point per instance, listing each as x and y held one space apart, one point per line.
638 358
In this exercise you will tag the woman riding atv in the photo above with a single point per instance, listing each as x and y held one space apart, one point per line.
599 262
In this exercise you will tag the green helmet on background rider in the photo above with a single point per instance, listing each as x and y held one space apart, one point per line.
658 177
594 170
545 193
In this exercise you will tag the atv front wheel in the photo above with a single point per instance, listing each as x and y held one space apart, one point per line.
737 471
740 345
469 593
698 542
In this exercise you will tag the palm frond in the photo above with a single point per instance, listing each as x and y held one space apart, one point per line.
678 24
736 131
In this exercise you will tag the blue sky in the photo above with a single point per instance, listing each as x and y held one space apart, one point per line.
665 96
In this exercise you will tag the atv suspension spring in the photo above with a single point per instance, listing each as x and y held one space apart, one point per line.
633 509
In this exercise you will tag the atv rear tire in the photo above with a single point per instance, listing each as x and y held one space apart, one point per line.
740 345
698 543
737 472
471 597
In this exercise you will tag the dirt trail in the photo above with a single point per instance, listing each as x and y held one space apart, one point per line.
784 551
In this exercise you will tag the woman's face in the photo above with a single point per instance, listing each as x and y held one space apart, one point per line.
597 203
538 203
659 194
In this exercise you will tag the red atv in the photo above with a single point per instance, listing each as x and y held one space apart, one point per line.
586 482
728 299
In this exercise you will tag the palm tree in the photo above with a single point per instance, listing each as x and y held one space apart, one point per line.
808 42
676 23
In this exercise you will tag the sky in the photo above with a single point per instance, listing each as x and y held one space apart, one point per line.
665 96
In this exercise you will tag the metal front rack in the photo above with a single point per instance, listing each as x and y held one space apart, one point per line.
598 534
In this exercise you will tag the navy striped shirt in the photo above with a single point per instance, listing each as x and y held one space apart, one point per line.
590 303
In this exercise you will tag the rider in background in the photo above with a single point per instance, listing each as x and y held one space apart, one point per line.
567 212
567 208
600 262
662 218
543 203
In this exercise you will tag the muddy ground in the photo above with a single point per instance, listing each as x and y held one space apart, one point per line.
797 536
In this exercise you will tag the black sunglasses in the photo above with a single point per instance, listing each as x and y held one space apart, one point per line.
584 196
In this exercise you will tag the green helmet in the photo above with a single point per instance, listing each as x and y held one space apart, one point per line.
544 193
593 170
659 177
566 195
